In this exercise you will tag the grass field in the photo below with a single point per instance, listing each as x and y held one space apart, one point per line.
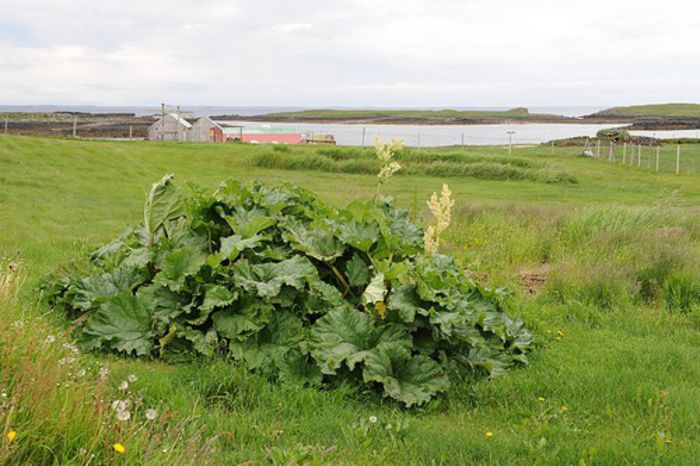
663 110
606 272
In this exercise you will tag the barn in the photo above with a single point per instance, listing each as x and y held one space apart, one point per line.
170 127
205 130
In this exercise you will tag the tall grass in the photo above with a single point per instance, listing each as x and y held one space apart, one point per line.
56 403
362 161
609 256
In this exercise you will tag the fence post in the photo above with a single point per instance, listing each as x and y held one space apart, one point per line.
597 149
658 149
131 132
624 153
364 130
75 126
639 156
678 159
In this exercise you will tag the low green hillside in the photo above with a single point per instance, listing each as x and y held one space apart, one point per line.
515 113
661 110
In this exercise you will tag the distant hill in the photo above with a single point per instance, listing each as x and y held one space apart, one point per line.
446 116
652 110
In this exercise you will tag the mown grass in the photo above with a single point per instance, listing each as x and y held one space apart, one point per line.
614 259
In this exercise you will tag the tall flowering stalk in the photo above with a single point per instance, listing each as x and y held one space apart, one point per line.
385 153
441 208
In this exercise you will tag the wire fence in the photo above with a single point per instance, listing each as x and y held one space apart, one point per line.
659 158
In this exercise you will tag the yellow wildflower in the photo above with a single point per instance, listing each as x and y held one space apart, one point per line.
119 448
564 409
560 333
489 434
381 308
540 398
11 435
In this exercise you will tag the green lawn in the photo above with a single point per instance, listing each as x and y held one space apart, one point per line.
606 272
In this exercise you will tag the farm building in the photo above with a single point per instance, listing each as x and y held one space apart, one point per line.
205 130
263 135
171 127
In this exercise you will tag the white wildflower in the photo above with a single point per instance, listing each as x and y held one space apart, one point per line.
373 419
104 372
132 378
385 153
441 208
120 405
81 373
123 415
50 339
82 452
151 414
124 385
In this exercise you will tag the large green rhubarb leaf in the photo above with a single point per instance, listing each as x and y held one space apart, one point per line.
178 265
163 204
122 323
346 335
266 280
410 379
315 242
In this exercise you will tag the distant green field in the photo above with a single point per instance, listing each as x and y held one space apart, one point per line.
665 110
515 113
605 271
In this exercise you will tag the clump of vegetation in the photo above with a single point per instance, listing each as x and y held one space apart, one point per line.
356 161
292 288
617 135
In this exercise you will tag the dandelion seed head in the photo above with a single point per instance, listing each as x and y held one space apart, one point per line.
373 419
151 414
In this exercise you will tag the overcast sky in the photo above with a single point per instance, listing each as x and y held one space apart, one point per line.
355 53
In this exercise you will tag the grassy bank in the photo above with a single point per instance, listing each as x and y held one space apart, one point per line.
605 271
651 110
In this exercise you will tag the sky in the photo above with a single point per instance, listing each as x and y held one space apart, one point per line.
408 53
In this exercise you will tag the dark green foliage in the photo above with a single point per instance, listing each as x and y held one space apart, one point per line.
291 287
449 164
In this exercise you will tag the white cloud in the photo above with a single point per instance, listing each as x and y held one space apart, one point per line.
358 52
